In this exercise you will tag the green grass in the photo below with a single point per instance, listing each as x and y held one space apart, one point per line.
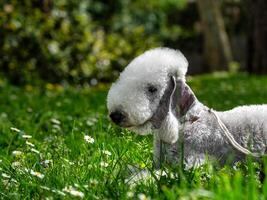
58 119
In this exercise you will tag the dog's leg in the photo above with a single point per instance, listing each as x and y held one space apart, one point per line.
194 159
157 152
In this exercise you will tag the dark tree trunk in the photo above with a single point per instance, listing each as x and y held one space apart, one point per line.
257 37
217 48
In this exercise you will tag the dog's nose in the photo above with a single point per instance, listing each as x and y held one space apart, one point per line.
117 117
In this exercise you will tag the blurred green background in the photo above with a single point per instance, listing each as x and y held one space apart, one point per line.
53 51
91 41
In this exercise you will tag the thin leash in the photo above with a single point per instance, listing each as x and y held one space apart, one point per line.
231 139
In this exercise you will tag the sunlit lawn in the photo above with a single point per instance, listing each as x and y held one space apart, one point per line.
57 142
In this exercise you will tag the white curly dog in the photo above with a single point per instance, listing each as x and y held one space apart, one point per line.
151 96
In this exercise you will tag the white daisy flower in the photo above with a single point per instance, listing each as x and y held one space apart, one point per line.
4 175
108 153
103 164
17 153
142 196
45 188
86 186
55 121
73 191
13 180
47 162
70 163
15 129
30 144
37 174
93 182
130 194
26 136
58 192
35 151
89 139
15 164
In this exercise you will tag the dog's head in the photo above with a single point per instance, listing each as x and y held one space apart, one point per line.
144 98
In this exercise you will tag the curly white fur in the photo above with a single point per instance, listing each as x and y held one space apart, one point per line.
129 92
202 136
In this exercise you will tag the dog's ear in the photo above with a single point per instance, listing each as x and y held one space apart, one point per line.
166 104
186 97
164 120
175 102
173 97
170 127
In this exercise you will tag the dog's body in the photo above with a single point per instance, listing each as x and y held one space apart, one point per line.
202 137
151 96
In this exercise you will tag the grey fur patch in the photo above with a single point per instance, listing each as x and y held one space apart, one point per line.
152 96
186 97
182 99
164 103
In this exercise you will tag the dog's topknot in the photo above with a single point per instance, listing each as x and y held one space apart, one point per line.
158 60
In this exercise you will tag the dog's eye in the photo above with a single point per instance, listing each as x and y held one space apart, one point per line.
152 89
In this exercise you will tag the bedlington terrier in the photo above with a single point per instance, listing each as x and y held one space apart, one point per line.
151 96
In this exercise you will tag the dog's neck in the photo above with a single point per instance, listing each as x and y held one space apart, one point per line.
193 114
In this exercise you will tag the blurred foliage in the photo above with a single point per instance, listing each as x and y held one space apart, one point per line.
80 41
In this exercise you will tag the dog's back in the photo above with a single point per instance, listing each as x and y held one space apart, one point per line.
248 124
204 136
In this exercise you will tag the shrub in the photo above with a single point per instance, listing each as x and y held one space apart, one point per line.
76 41
62 43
